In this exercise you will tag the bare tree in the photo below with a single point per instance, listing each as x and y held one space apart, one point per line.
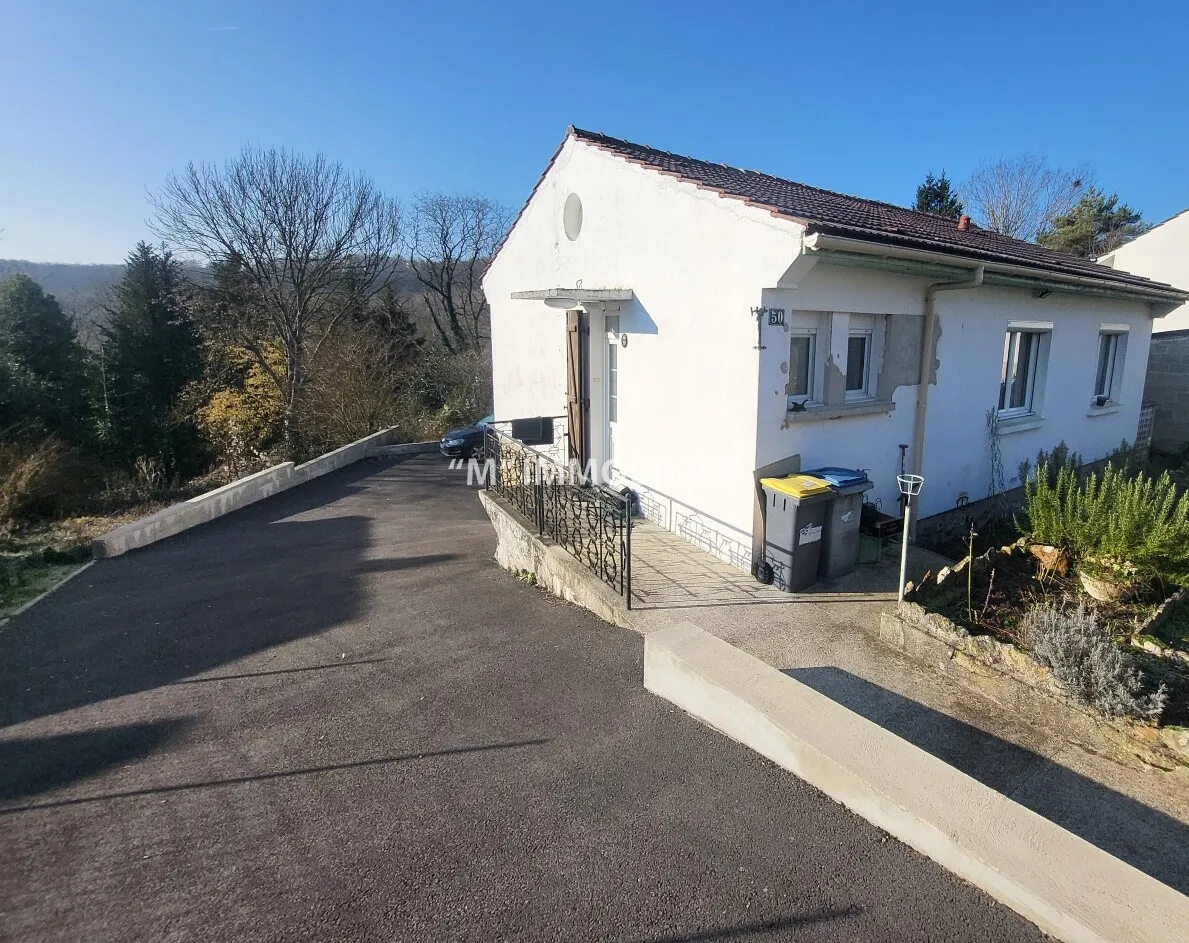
1021 196
295 245
450 242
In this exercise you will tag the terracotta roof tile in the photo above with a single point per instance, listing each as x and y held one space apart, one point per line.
841 215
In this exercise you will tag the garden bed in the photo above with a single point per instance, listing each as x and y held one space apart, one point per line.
979 609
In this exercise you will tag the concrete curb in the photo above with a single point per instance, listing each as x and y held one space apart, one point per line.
231 497
40 596
1071 889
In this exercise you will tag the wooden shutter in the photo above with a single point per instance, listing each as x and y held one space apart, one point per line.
577 390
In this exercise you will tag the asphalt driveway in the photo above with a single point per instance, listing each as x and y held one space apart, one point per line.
331 717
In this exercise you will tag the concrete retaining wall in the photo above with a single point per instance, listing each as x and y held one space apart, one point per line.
519 550
1071 889
231 497
406 448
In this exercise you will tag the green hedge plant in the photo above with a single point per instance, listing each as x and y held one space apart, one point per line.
1132 529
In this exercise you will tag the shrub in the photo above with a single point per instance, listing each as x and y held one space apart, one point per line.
1052 462
1139 523
1081 654
243 419
352 389
41 479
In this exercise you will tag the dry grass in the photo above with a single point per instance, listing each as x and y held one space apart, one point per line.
34 557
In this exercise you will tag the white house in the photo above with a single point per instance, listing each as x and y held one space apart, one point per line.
1163 253
699 323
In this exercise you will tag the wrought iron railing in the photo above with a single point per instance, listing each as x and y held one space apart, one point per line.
590 521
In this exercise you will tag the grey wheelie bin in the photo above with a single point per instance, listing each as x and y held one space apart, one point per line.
794 513
840 539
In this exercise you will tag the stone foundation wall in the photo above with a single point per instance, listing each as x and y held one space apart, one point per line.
1006 673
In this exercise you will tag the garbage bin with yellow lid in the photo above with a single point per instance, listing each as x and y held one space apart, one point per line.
794 513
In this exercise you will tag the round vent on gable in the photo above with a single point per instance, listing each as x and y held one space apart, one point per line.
571 217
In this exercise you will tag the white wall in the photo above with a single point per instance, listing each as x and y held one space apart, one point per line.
869 441
687 378
972 326
1161 254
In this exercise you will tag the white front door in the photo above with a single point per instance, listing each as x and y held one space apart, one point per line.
611 393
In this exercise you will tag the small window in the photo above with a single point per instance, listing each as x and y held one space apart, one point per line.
1022 351
612 382
858 364
1112 346
802 351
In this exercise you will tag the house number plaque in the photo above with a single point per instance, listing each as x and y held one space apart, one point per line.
775 315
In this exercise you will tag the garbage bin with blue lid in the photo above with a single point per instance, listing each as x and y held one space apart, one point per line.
840 539
794 512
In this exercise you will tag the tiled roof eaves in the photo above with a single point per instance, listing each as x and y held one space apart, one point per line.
979 255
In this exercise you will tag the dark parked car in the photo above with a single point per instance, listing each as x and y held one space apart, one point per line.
465 441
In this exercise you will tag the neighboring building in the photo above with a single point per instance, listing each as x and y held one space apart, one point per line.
1163 253
723 322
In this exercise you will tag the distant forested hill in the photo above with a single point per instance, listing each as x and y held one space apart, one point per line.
78 288
81 289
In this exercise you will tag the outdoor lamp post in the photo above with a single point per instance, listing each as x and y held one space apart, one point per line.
910 487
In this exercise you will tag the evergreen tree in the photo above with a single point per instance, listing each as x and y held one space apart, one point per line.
151 350
937 195
42 366
1097 224
389 315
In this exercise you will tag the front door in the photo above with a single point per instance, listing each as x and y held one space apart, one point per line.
611 387
578 387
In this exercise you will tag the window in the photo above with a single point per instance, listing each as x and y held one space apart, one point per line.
612 368
1023 351
1108 376
834 363
858 364
802 366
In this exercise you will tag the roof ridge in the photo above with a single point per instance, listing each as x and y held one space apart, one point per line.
582 133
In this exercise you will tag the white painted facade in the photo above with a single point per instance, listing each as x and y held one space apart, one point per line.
1161 254
700 407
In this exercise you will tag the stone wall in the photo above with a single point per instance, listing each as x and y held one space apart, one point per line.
1168 387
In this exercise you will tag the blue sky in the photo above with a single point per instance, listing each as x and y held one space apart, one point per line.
103 99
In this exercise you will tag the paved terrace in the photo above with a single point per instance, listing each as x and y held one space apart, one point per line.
330 717
1107 796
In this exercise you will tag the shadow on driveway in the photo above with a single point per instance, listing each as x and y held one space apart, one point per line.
37 754
32 765
1145 838
286 568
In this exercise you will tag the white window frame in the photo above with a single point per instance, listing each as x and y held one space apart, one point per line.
865 326
811 385
1039 335
1112 382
